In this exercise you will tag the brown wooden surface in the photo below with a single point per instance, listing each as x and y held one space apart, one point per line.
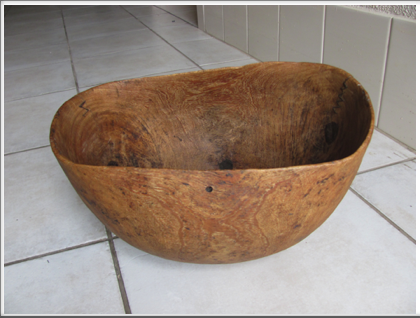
216 166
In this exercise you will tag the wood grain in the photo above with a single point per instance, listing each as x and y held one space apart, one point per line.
216 166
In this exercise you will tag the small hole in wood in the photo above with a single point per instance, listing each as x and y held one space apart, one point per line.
209 189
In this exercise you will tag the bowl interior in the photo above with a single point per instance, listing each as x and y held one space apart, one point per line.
265 115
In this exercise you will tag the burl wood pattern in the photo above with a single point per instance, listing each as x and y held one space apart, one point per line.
216 166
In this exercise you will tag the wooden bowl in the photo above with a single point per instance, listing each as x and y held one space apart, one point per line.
216 166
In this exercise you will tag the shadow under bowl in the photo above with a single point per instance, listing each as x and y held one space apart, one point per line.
217 166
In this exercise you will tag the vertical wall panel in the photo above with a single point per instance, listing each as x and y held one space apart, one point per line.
213 16
301 33
200 18
263 32
186 12
357 42
398 109
235 26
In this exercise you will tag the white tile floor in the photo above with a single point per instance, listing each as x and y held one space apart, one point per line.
59 259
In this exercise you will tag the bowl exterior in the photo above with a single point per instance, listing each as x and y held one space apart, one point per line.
247 215
213 216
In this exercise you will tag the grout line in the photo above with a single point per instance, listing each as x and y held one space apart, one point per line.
223 23
246 30
55 252
384 216
120 279
204 18
124 51
384 72
323 34
35 148
162 37
228 61
64 90
387 165
396 140
71 57
278 31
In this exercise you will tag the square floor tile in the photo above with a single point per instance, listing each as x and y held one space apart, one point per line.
193 69
189 16
383 151
42 211
80 281
80 32
187 70
181 33
114 43
210 51
67 7
91 10
130 64
177 8
24 58
39 25
355 263
38 80
31 9
230 64
160 20
92 18
38 39
393 191
27 121
29 17
143 10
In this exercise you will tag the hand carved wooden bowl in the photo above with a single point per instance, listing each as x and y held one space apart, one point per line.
217 166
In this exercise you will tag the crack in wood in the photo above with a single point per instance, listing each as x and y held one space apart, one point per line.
341 95
81 106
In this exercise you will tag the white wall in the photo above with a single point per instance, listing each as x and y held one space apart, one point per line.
406 11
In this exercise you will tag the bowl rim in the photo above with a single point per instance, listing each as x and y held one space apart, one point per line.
361 149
